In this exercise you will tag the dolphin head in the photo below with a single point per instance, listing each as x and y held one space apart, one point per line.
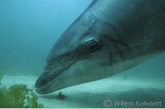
80 55
108 38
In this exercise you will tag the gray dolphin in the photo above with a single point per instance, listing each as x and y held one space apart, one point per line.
109 37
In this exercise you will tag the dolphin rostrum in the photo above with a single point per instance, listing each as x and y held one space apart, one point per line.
109 37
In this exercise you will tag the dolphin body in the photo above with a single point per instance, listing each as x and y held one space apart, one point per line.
109 37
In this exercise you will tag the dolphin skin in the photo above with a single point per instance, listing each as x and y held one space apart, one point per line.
109 37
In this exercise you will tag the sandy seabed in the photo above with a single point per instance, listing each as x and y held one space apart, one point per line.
117 91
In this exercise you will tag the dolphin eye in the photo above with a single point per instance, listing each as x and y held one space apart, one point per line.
92 45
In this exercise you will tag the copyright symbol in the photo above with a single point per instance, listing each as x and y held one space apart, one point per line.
107 103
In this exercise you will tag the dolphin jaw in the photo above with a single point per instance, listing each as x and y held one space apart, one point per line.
49 75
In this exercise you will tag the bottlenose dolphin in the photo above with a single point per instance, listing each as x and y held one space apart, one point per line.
109 37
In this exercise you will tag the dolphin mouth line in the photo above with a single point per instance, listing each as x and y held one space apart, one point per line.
43 83
42 87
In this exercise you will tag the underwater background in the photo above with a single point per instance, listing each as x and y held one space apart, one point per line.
28 30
